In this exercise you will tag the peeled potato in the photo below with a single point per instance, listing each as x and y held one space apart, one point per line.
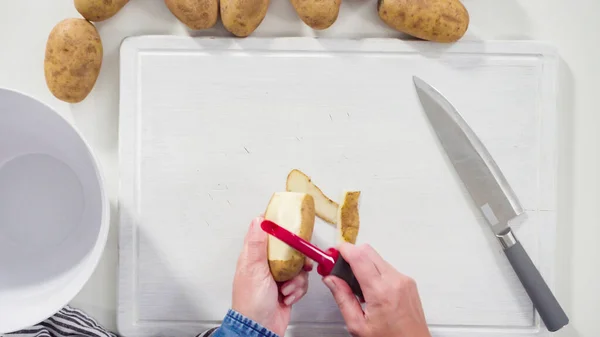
242 17
99 10
73 59
433 20
318 14
296 213
348 220
196 14
325 208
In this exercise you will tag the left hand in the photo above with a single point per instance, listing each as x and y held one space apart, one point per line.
256 295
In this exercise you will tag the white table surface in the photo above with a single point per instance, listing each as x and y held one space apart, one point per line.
571 26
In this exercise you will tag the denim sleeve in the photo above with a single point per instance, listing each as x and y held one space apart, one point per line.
237 325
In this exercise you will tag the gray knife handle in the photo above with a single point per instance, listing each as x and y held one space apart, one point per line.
544 301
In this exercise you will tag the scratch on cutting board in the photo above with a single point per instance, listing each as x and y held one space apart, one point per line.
207 223
245 148
229 202
220 187
348 114
330 117
298 138
211 198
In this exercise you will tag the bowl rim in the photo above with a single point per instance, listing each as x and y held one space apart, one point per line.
62 297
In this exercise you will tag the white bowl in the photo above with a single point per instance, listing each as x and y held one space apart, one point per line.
54 213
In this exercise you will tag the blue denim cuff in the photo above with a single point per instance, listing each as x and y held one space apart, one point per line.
238 325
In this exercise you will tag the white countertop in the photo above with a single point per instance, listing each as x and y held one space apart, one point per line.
25 25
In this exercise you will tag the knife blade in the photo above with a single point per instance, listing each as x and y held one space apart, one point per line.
491 193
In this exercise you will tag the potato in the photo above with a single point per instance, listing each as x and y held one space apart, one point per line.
242 17
73 59
196 14
99 10
318 14
433 20
296 213
326 208
348 220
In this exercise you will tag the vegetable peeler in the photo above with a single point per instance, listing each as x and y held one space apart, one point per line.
329 262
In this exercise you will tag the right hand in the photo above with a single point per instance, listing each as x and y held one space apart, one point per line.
392 304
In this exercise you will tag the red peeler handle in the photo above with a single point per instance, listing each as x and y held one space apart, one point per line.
325 260
330 262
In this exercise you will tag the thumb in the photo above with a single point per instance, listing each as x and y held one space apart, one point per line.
347 302
255 243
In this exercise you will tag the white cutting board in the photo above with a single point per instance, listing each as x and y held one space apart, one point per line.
209 129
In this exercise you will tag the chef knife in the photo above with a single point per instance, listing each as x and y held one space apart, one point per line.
491 193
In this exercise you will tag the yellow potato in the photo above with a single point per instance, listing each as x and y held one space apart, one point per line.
296 213
242 17
433 20
318 14
73 59
286 270
196 14
99 10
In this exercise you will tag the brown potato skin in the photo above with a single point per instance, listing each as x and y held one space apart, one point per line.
433 20
317 14
99 10
349 217
242 17
288 187
73 59
286 270
196 14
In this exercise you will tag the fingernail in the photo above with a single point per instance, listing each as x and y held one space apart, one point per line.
329 283
288 289
289 300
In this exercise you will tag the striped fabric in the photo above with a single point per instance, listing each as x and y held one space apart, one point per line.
71 322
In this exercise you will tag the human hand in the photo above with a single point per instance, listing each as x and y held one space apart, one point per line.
392 304
256 295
